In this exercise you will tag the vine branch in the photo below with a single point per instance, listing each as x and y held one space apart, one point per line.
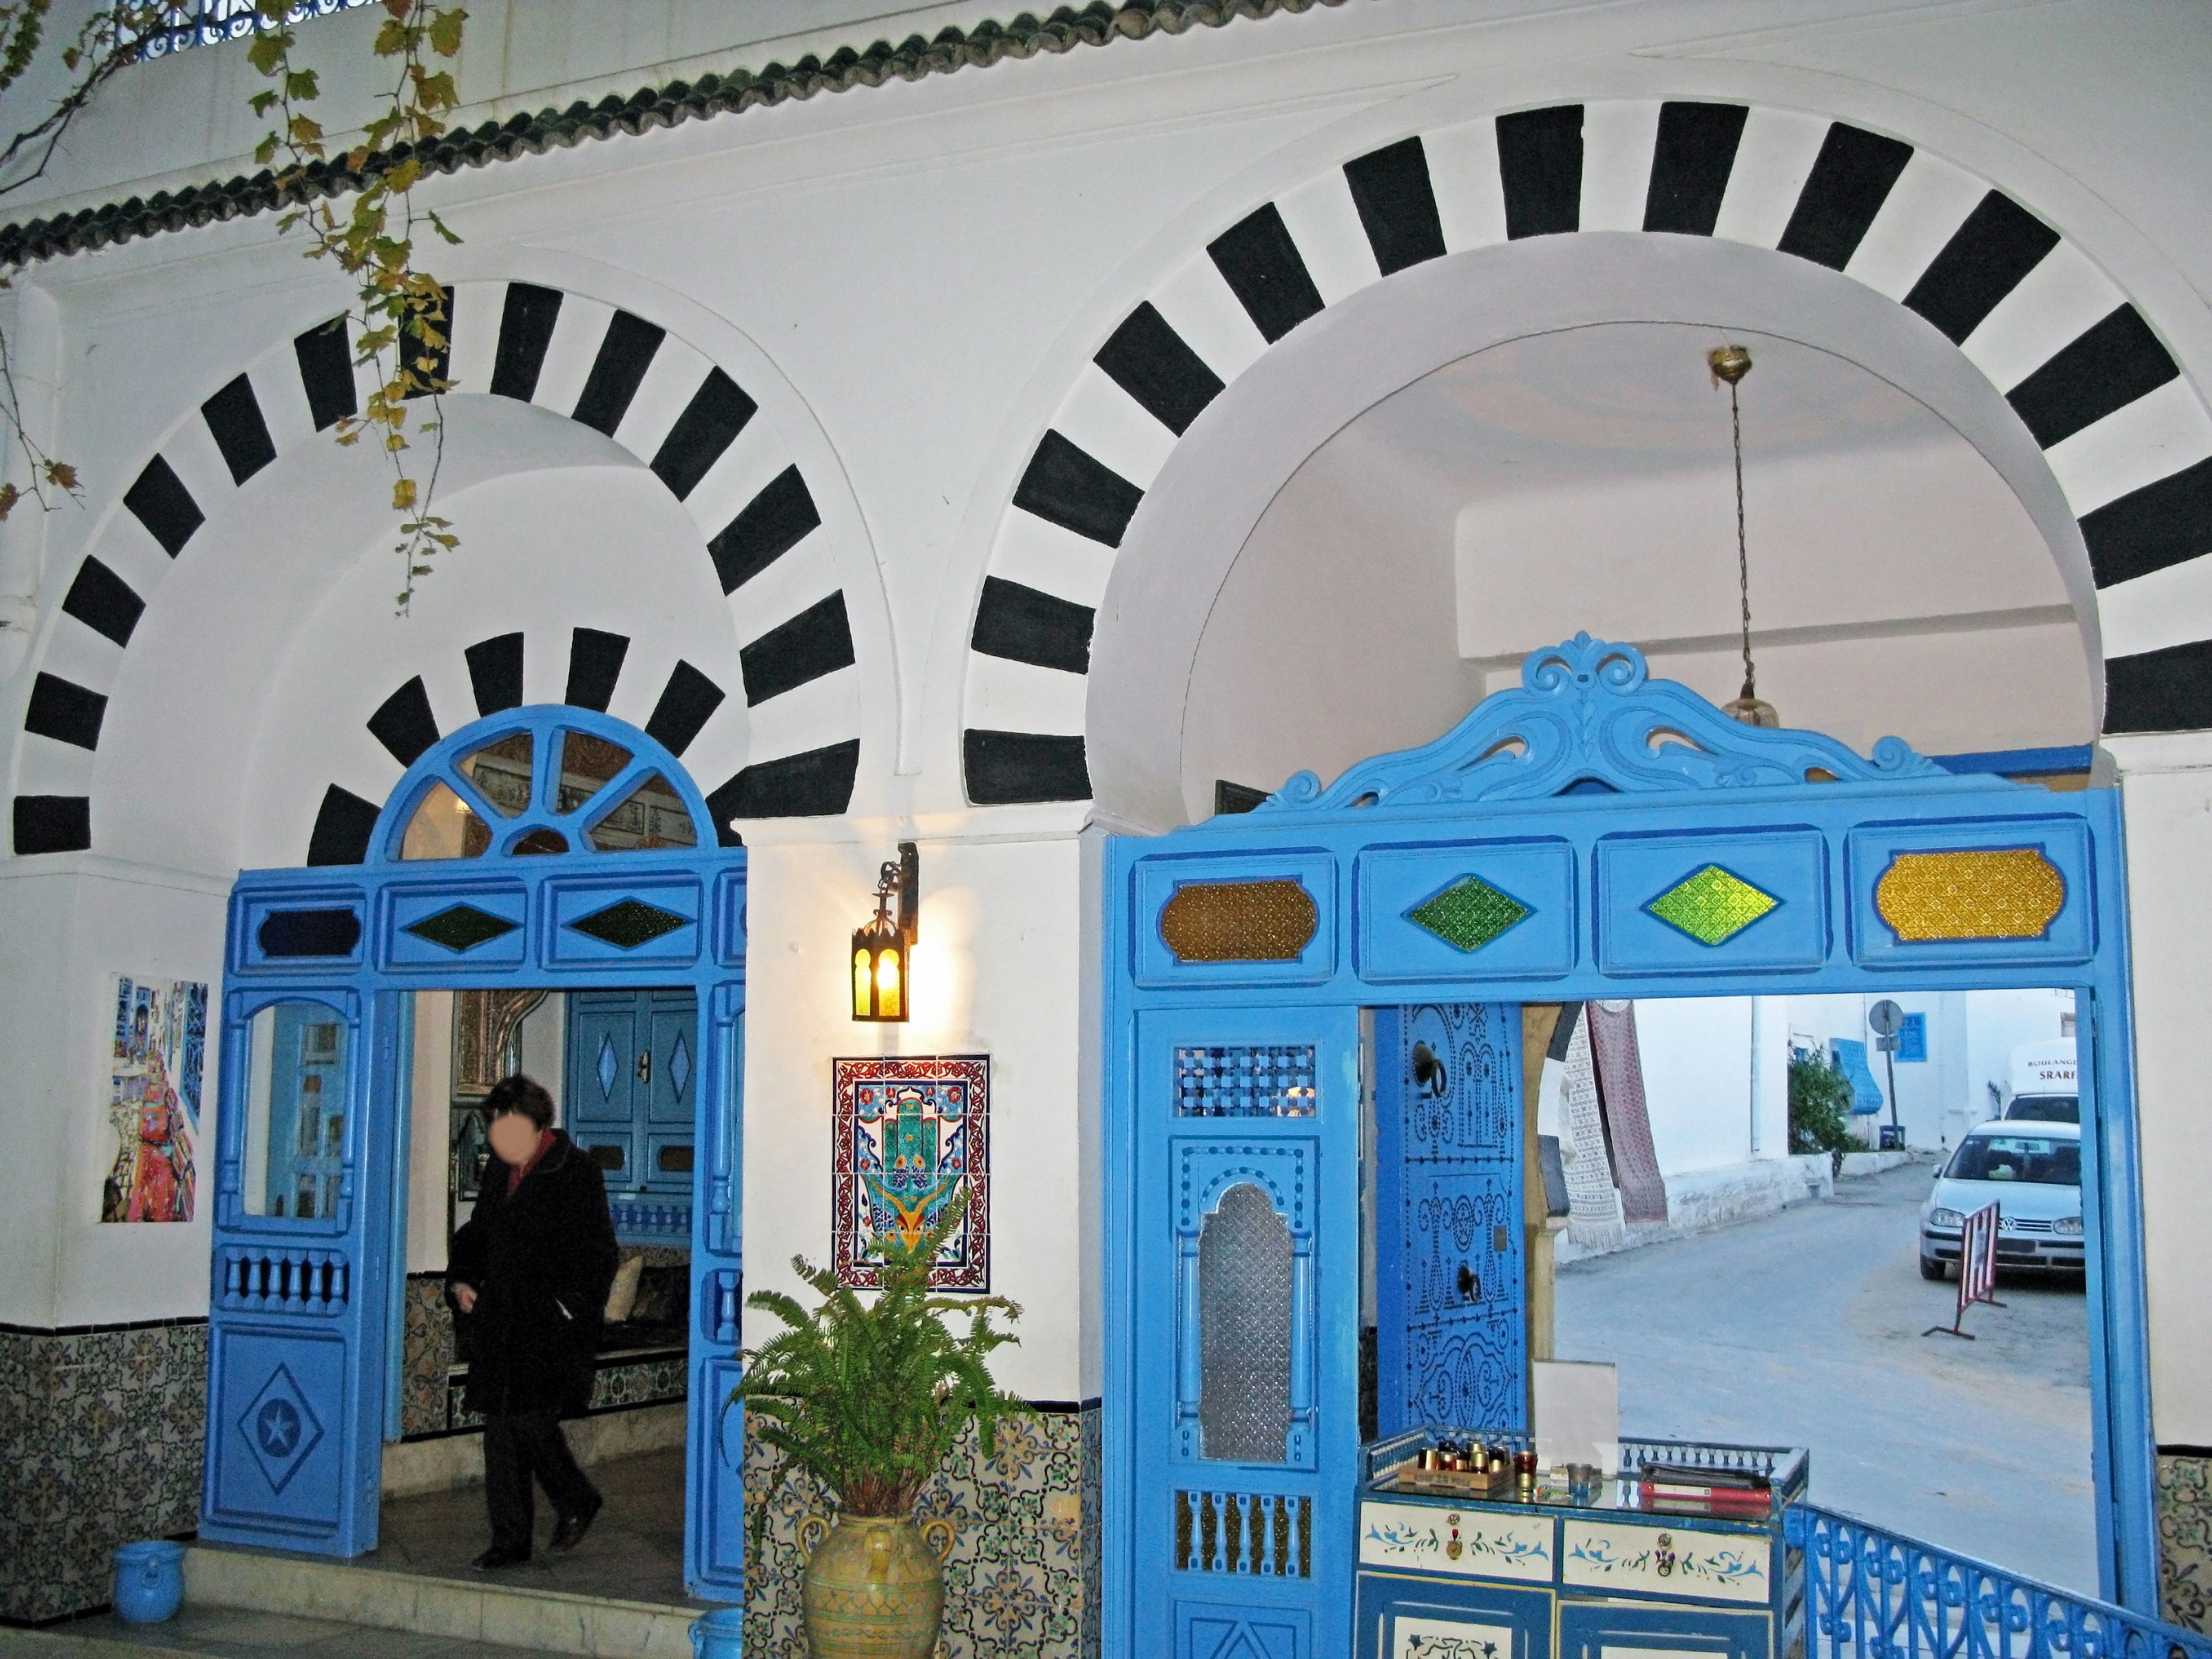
107 42
400 309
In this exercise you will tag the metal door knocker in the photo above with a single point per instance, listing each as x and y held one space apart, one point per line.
1470 1284
1428 1073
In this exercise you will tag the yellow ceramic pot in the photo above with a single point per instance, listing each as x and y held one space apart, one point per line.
874 1586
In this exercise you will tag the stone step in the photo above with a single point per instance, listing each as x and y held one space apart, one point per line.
508 1615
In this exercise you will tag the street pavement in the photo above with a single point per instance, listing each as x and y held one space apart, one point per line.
1804 1330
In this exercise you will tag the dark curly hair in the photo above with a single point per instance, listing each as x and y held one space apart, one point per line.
519 1094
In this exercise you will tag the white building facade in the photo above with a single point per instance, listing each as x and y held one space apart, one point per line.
997 444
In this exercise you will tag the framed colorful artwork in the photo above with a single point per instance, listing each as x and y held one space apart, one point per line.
152 1098
911 1135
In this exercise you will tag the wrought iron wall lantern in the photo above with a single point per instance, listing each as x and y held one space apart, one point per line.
880 990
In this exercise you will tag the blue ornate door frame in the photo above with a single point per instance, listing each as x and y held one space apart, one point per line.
1593 834
298 1340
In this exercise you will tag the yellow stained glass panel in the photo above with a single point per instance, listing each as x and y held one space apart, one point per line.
1996 892
1239 922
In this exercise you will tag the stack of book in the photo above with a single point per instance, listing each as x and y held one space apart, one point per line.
1684 1489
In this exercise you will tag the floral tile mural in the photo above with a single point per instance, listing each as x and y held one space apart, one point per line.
912 1134
1021 1578
2184 1538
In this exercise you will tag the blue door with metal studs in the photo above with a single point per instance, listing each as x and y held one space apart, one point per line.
543 847
1451 1303
1594 834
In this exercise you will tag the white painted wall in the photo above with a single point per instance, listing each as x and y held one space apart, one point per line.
543 1050
1697 1081
62 934
430 1132
1332 639
995 970
2165 788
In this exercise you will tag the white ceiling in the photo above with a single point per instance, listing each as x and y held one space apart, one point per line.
1581 479
1628 399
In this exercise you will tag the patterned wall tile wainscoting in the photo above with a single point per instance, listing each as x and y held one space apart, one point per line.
644 1367
1022 1579
101 1435
2184 1534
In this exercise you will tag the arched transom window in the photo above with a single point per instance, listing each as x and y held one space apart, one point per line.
546 780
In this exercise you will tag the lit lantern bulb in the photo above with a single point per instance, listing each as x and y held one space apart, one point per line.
887 983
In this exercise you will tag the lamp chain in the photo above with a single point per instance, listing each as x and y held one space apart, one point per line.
1742 553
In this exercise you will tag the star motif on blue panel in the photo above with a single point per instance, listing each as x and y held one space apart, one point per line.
281 1429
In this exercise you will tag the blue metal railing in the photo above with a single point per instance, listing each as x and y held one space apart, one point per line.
206 22
1873 1595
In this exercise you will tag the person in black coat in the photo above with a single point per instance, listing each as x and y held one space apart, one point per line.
528 1278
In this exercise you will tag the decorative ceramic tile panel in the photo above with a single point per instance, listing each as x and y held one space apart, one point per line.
909 1136
2185 1539
1020 1583
1607 1556
101 1443
1467 1543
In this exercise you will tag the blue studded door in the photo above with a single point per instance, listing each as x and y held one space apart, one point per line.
1452 1337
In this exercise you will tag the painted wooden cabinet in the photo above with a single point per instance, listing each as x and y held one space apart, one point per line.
1474 1578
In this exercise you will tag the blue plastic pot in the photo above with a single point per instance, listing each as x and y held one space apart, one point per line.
720 1635
149 1581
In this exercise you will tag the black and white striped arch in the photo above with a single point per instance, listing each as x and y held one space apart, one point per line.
669 405
2127 437
407 726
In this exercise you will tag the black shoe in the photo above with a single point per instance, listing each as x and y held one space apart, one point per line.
499 1556
569 1530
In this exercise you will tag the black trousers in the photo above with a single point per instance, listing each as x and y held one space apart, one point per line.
518 1447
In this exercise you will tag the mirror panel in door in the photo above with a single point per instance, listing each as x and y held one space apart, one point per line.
295 1112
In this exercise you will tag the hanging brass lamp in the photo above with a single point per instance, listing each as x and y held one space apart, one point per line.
1730 363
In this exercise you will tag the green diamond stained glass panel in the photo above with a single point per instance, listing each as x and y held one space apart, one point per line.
1712 906
629 924
462 928
1468 914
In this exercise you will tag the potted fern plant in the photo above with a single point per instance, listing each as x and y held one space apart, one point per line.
869 1397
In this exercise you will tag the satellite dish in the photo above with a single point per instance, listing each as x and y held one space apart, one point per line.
1886 1019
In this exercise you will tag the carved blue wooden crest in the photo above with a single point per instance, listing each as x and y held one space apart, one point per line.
1589 717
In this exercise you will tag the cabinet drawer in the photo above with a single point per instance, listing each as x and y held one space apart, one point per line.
1614 1631
1402 1617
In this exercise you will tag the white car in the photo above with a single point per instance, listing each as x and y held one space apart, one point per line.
2033 1172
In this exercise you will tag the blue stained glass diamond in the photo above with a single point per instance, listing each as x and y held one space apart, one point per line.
679 1064
280 1428
609 1066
